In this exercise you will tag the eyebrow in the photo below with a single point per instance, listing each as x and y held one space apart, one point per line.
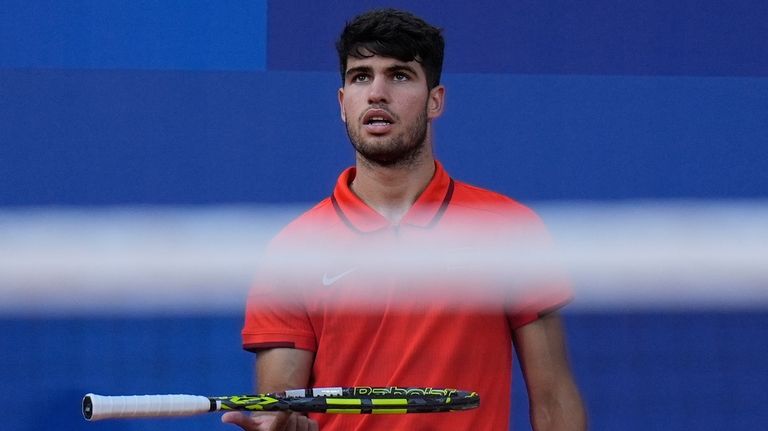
358 69
402 68
390 69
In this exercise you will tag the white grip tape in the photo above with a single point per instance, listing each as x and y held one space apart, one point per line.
137 406
327 392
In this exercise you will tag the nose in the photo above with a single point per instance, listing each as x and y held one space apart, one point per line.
378 91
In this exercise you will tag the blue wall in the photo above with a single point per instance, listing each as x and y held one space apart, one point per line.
205 103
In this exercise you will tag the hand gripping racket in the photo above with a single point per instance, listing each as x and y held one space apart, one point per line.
355 400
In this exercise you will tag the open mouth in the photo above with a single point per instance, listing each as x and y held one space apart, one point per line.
377 118
378 121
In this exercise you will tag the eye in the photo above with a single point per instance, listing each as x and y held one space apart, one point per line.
360 77
400 76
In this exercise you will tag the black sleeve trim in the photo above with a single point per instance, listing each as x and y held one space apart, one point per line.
256 347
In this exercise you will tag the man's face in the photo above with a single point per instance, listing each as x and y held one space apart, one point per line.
386 106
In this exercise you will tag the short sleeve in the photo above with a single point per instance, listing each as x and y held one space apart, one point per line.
532 302
276 315
542 294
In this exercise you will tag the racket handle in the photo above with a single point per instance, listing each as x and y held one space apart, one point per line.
97 407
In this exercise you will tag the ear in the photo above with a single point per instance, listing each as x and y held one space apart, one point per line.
436 102
341 105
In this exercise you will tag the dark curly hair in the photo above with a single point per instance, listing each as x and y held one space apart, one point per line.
395 34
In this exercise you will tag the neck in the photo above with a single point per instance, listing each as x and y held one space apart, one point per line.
391 191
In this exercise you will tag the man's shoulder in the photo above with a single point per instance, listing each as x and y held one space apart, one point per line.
473 198
312 222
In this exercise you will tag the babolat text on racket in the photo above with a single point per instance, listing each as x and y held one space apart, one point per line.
354 400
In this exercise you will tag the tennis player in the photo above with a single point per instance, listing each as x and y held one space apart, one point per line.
391 63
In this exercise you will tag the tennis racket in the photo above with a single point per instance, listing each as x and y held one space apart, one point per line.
355 400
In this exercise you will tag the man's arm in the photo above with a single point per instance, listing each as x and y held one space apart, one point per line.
277 370
554 398
280 369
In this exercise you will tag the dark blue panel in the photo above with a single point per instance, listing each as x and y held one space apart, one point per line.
637 371
657 370
147 34
569 137
109 137
687 37
52 362
100 137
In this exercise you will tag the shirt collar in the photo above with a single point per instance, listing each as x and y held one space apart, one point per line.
425 212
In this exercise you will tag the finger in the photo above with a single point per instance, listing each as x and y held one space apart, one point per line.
236 418
283 422
301 423
305 424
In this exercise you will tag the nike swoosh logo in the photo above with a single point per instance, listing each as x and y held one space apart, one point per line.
327 281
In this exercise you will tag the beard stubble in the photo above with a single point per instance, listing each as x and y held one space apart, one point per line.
396 151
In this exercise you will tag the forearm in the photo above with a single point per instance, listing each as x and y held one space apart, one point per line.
563 410
277 370
554 398
280 369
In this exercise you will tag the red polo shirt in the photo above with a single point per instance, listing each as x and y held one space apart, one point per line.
399 333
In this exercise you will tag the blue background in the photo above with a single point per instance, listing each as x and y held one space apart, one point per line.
206 103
